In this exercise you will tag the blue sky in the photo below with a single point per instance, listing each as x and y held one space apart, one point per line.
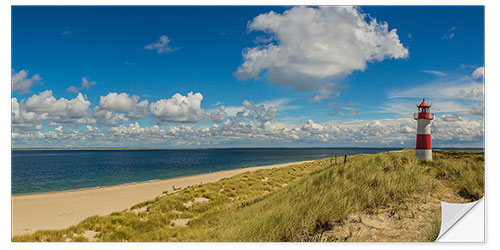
298 76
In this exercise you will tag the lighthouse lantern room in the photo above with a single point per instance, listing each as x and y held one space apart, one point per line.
423 117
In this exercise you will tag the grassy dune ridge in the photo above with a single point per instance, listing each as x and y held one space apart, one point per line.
375 197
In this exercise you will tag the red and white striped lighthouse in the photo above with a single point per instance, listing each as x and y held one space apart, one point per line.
423 117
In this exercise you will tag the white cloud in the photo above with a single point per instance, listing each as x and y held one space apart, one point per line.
435 72
440 106
281 104
122 102
311 48
406 108
459 130
380 133
252 125
216 104
108 117
451 88
450 34
72 89
78 107
161 46
218 115
179 109
477 110
120 108
312 126
44 106
478 73
24 119
85 85
45 102
134 132
259 112
140 110
21 82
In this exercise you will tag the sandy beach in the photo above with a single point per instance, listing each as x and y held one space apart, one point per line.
63 209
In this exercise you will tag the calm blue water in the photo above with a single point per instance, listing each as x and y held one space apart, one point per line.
38 171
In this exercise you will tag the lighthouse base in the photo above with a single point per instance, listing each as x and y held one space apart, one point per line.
423 154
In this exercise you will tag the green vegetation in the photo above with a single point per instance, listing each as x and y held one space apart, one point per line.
431 233
381 197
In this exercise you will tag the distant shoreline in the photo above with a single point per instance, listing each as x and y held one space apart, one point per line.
136 148
99 168
250 168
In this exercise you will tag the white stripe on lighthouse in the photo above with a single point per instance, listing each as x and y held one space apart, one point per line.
424 127
424 154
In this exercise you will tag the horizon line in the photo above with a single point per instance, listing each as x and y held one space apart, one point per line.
154 148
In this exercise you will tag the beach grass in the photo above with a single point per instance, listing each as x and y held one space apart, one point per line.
373 197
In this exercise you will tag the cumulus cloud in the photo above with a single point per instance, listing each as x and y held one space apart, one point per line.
252 125
21 82
85 85
117 108
120 108
453 117
45 107
312 126
478 73
259 112
459 130
26 120
161 46
179 109
218 115
477 110
108 117
379 133
309 49
122 102
281 104
45 102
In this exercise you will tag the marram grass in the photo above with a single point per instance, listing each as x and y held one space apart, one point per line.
318 201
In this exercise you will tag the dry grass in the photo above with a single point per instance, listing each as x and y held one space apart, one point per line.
381 197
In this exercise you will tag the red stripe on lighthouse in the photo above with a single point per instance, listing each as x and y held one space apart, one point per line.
424 141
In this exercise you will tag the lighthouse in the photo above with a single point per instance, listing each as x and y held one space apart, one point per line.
423 117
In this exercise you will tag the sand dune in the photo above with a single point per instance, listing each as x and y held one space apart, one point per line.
63 209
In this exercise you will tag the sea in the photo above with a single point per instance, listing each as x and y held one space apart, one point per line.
42 171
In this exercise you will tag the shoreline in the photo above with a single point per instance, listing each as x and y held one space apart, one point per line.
154 180
61 209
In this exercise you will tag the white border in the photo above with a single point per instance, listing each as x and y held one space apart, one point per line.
492 13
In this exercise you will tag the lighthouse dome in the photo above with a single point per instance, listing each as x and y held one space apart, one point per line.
424 104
